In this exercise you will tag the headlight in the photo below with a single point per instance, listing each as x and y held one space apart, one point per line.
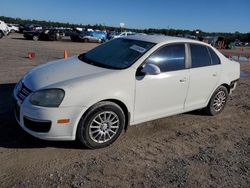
47 97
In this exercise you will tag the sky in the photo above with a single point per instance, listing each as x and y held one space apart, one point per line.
207 15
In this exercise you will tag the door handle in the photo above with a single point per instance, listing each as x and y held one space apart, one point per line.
183 79
215 74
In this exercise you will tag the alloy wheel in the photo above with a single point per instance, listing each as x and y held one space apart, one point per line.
104 126
219 101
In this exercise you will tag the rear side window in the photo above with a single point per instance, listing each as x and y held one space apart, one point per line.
169 58
199 56
215 59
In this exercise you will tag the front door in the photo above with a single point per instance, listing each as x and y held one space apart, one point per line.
163 94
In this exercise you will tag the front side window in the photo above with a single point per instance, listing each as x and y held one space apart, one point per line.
199 56
169 58
117 54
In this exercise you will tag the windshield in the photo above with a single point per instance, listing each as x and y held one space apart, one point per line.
117 54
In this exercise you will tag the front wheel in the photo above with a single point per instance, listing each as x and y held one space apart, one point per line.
101 125
217 101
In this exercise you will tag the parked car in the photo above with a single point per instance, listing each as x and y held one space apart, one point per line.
110 35
93 97
32 27
123 34
13 28
21 28
4 30
67 32
239 43
46 34
88 36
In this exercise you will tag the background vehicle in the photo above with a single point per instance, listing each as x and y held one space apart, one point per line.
4 30
126 81
21 28
123 34
110 35
32 27
13 28
67 31
88 36
46 34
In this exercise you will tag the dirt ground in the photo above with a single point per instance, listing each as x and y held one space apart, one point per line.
187 150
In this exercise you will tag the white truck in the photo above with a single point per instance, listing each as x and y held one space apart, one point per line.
4 30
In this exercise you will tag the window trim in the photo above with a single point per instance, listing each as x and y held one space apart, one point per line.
188 55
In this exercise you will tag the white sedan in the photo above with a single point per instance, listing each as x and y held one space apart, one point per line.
93 97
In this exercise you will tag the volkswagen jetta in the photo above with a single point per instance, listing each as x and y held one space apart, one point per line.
93 97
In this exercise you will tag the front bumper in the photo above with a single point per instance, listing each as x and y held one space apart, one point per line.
41 122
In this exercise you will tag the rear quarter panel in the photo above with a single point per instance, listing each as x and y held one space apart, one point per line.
230 71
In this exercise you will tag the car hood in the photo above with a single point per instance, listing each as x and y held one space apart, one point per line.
59 71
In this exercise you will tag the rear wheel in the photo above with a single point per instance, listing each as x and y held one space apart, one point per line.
101 125
218 101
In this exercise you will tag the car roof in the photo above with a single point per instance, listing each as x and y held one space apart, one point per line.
161 39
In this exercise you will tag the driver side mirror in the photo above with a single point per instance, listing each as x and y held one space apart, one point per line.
151 69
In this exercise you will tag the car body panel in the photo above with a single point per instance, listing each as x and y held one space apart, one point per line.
4 28
156 94
203 80
59 71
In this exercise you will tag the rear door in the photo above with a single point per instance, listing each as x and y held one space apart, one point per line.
205 72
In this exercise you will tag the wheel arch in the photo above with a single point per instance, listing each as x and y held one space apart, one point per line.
211 94
226 86
116 101
124 108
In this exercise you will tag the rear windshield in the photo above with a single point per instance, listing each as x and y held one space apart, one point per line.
117 54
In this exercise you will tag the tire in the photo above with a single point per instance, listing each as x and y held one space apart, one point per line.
85 40
35 38
1 34
218 101
101 125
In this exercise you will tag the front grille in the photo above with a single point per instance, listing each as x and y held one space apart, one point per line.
37 125
23 92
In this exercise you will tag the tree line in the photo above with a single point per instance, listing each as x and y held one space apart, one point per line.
244 37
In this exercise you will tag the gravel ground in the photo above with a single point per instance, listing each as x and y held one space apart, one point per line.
187 150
